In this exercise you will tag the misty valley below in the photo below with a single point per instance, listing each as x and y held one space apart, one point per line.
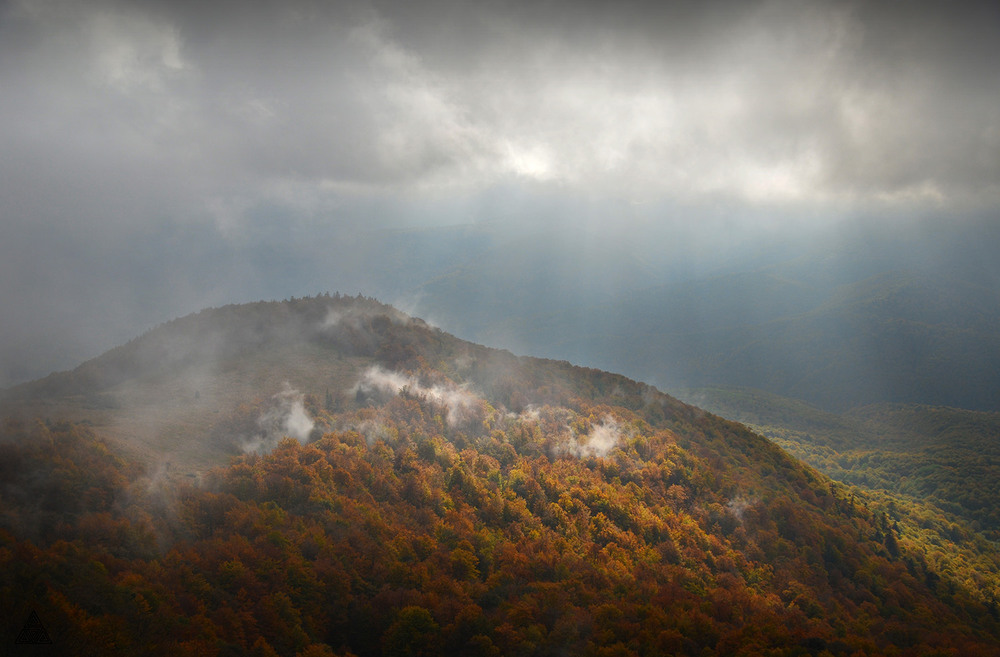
331 476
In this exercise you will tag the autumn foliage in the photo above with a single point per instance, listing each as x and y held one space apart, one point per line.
562 511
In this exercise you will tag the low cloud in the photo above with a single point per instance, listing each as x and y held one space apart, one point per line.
333 319
373 431
459 403
599 442
738 506
287 417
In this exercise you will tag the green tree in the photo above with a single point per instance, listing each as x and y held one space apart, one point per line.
414 633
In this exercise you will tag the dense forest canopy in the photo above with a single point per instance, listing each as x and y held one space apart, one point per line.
452 499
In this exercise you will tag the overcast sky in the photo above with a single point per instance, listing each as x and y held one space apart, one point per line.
159 156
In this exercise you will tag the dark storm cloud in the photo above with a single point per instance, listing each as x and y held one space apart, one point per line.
803 100
160 156
759 100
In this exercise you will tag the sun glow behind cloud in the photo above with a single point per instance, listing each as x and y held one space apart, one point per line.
773 104
775 112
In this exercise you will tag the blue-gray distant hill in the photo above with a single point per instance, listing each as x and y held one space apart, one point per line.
872 318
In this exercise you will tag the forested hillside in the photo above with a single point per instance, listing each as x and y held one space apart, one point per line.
934 468
944 456
437 497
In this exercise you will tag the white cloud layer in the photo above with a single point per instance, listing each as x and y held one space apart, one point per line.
460 404
286 417
763 101
601 439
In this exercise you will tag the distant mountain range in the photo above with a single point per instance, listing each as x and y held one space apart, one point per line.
880 318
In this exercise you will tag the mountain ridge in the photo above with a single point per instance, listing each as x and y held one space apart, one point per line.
419 494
